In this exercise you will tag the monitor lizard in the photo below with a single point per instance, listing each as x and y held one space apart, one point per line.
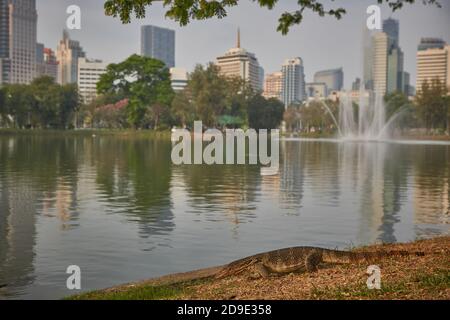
301 259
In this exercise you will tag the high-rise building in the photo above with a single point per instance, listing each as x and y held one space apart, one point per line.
273 83
294 90
431 43
18 32
433 64
67 54
333 79
392 29
46 63
395 73
238 62
158 43
317 90
179 78
4 42
379 62
89 73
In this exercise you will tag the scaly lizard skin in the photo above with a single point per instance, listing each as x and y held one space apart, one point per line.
300 259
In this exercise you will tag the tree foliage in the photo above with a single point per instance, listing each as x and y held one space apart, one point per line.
265 113
145 82
41 104
185 11
433 104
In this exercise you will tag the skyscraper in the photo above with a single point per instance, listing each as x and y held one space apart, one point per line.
395 76
379 62
294 89
158 43
238 62
334 79
18 25
67 53
4 42
431 43
432 64
392 29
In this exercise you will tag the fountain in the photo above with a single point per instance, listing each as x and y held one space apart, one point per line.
371 124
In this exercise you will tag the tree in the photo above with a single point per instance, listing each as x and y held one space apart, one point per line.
432 104
265 114
398 105
185 11
182 109
18 104
292 118
145 82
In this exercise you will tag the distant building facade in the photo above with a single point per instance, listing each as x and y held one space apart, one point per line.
333 79
18 33
432 64
158 43
179 78
46 63
294 86
238 62
67 54
431 43
317 90
273 84
89 73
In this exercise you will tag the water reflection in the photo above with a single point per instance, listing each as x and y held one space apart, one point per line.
116 202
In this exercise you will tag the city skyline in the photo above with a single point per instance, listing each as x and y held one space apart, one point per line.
219 35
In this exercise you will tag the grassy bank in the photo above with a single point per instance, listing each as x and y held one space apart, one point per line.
409 277
89 132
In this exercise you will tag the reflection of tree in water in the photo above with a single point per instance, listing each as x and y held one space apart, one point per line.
221 191
432 186
134 175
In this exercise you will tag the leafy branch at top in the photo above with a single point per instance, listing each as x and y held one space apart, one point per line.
183 11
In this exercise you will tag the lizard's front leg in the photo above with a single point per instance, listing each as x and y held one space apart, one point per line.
262 270
312 261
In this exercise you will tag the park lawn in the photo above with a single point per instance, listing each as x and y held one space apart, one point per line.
410 277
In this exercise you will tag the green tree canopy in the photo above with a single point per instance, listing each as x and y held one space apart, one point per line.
145 82
185 11
265 114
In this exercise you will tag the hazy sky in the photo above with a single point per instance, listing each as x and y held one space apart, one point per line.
322 43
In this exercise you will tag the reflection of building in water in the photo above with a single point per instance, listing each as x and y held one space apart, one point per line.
17 234
292 176
381 181
432 201
60 202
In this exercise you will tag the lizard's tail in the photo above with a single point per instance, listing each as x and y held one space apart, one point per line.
334 256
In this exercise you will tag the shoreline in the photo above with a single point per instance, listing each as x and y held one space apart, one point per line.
167 134
410 277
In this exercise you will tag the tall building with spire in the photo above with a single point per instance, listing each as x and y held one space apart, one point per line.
18 33
238 62
67 54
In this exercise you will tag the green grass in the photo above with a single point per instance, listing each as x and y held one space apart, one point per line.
140 292
88 132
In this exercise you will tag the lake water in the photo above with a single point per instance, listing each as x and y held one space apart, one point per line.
119 209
